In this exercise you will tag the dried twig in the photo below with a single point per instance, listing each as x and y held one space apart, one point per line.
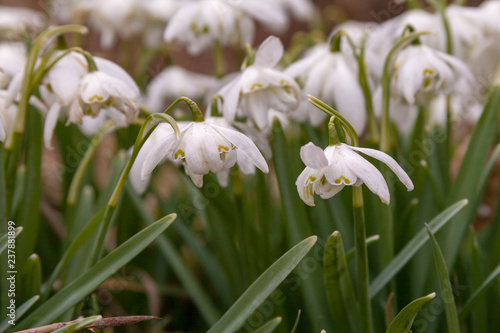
105 322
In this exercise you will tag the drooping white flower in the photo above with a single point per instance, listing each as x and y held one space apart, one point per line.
260 87
7 116
14 20
12 61
327 75
203 147
176 81
422 73
301 9
199 24
328 171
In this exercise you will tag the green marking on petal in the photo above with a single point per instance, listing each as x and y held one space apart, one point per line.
95 97
256 85
339 180
180 153
221 148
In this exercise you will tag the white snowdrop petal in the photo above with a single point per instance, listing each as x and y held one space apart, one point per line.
269 52
305 190
313 156
370 175
50 124
246 146
390 162
157 153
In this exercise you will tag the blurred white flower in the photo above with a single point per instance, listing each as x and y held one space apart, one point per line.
328 171
422 73
199 24
203 147
12 61
303 10
176 81
14 20
402 114
7 116
327 76
260 87
69 88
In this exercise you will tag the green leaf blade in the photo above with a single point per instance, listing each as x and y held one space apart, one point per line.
403 321
262 288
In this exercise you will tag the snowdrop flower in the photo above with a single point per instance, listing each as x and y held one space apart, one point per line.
422 73
328 171
7 116
260 87
199 24
327 75
12 61
301 9
472 26
173 82
69 88
14 20
203 147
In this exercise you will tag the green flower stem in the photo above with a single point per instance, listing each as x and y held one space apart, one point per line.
361 258
146 129
333 136
386 88
13 144
373 131
76 182
330 111
219 63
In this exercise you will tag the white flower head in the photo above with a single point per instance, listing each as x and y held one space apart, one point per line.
328 76
203 147
176 81
328 171
68 87
199 24
422 73
12 61
7 116
260 87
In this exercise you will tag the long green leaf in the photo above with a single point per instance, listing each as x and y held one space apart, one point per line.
412 247
86 234
479 291
31 277
20 311
270 326
339 291
262 288
86 283
403 321
450 308
467 183
173 257
4 240
29 216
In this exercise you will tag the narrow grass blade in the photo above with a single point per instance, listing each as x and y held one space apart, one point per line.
4 240
20 311
262 288
412 247
479 317
349 255
339 291
86 283
31 277
29 215
199 296
469 176
270 326
450 308
86 234
403 321
479 291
